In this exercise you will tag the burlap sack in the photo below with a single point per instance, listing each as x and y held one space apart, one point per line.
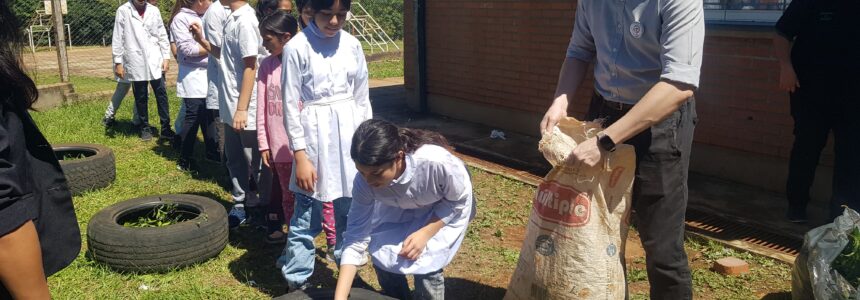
574 244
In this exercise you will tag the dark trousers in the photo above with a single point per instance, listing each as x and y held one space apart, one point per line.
196 115
660 194
817 111
141 97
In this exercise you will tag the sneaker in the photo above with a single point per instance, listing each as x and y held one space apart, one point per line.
185 165
176 143
236 217
145 134
168 134
108 122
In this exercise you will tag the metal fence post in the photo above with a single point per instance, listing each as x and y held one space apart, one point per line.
62 56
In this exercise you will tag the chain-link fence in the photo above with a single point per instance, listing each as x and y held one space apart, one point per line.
88 25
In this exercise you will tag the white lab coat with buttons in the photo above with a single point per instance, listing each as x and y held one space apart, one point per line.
140 43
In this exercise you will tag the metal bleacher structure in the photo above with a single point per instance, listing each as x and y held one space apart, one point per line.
41 28
364 27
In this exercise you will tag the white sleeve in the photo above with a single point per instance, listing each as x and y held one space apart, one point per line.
291 85
359 224
163 42
249 40
361 90
455 187
118 40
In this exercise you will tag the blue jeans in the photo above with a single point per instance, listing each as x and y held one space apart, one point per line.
297 261
430 286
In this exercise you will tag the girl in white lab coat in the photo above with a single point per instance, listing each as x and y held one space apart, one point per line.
324 69
140 54
411 206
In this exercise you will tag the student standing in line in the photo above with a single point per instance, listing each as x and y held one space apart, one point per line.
324 70
277 29
210 35
191 83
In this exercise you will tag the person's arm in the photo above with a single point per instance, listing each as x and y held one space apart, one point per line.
787 28
787 76
21 269
356 238
569 79
205 46
454 185
361 92
184 41
240 118
163 43
118 43
682 38
249 48
291 84
262 103
580 53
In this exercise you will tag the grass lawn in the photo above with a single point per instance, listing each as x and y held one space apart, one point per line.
385 68
246 270
83 84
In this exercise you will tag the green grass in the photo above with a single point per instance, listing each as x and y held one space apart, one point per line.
82 84
246 270
385 68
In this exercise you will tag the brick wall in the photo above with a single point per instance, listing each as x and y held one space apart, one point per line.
507 54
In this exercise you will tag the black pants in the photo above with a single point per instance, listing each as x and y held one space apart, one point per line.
141 97
660 194
816 111
196 115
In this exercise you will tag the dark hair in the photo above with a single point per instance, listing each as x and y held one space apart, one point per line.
376 142
264 6
19 91
326 4
176 8
300 7
279 22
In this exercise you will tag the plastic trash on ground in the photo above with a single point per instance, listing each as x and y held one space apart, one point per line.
815 274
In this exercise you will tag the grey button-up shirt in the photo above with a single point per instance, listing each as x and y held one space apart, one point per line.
637 43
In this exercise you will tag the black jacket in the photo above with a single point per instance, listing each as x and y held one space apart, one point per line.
32 187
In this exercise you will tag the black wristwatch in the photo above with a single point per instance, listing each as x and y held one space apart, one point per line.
605 142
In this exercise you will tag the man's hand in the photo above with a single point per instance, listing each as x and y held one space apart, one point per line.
787 78
165 65
119 71
240 120
556 112
587 152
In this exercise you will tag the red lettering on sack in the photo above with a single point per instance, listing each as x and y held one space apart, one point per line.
561 204
615 176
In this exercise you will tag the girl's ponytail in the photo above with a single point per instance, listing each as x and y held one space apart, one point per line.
376 142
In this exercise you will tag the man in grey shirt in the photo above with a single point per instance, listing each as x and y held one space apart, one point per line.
647 56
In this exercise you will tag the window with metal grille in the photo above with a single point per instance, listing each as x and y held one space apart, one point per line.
744 11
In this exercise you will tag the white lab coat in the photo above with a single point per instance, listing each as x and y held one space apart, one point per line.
140 44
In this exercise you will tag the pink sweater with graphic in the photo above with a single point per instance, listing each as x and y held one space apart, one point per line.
271 133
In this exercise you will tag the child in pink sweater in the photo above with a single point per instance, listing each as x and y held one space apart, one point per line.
276 30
